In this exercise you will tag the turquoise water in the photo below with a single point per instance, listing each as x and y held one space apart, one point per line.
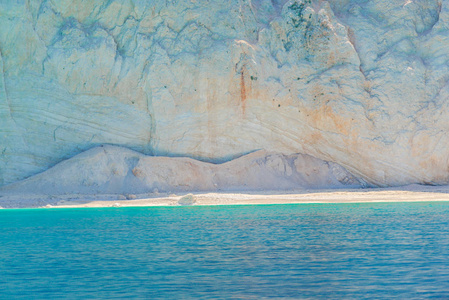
318 251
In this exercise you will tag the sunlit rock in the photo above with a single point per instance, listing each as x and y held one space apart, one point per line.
360 83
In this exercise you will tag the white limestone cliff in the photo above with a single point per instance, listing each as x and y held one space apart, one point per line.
360 83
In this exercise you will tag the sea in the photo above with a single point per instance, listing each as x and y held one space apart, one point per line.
292 251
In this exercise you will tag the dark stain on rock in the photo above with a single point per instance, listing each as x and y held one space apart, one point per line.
243 95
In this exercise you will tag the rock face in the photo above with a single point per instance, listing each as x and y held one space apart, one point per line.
116 170
360 83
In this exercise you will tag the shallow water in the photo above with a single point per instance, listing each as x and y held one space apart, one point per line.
322 251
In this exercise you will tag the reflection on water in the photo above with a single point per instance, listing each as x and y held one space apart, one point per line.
325 251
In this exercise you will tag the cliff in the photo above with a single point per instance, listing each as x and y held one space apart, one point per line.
363 84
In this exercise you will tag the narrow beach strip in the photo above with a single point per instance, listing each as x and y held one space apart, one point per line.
412 193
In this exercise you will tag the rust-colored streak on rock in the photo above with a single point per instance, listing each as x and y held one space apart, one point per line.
242 90
325 119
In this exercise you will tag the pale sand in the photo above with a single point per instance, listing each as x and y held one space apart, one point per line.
411 193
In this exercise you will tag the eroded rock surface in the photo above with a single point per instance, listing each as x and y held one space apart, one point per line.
360 83
120 171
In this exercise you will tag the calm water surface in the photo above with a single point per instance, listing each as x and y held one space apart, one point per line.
318 251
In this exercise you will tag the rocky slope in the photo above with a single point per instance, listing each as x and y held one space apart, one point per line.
116 170
360 83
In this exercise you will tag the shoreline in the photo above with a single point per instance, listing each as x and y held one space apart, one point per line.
410 193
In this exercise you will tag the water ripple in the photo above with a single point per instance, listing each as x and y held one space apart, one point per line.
314 251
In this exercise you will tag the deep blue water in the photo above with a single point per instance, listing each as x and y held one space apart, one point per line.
318 251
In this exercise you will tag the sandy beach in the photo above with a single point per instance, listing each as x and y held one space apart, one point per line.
410 193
